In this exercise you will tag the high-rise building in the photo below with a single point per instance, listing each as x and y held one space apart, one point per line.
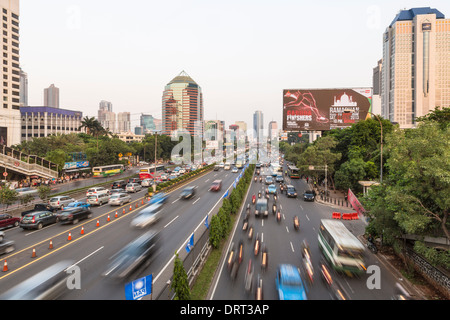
273 130
258 126
10 124
123 122
23 88
242 125
376 94
416 65
182 106
51 97
149 124
107 117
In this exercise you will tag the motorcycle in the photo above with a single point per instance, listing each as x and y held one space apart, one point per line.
240 252
259 288
260 179
296 223
274 208
264 257
248 279
245 224
275 197
372 247
231 257
281 188
257 245
306 260
334 287
253 199
250 232
278 216
259 194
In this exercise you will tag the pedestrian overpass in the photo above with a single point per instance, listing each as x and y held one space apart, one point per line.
28 165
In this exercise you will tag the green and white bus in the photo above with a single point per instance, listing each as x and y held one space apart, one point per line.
340 247
293 172
106 171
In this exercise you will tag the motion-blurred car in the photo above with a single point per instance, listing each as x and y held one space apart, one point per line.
118 199
37 220
309 195
73 215
25 191
147 216
49 284
262 207
269 180
289 283
159 198
59 202
272 189
5 246
7 220
77 204
291 192
139 252
279 178
216 185
188 192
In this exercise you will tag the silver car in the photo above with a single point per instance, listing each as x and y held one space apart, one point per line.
118 199
133 187
147 216
59 202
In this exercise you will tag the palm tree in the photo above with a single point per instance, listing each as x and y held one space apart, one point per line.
89 124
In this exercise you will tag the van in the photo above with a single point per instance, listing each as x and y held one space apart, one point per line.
227 166
119 184
96 190
98 199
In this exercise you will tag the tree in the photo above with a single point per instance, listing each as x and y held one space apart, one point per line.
43 192
180 282
8 196
89 124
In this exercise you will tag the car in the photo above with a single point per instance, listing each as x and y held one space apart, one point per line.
96 190
37 220
6 247
289 283
188 192
235 169
120 184
75 214
159 198
290 191
135 180
137 253
227 166
133 187
118 199
25 191
272 189
113 191
309 195
279 178
59 202
269 180
39 207
98 199
77 204
262 207
147 182
216 185
7 220
172 177
2 236
164 177
216 168
147 216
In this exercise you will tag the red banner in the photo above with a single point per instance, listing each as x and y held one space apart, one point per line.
355 203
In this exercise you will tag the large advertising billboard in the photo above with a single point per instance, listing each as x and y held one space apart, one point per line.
324 109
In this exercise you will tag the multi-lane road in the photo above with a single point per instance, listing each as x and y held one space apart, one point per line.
284 246
92 251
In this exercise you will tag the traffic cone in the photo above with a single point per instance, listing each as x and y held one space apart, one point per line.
33 255
69 238
116 215
136 204
5 266
108 218
131 208
82 230
123 211
98 223
50 246
142 201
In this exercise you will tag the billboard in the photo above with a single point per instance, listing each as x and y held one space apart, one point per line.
324 109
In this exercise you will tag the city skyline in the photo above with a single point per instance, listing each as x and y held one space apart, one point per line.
242 69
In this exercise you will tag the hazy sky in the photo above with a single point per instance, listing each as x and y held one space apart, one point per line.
242 53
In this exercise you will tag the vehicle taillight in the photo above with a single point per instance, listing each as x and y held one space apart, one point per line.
32 221
58 202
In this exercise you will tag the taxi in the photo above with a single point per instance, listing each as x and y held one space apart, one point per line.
289 283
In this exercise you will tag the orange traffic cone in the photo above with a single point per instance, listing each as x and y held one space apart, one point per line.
142 201
5 266
33 255
131 208
98 223
123 211
109 219
69 238
50 246
116 215
82 230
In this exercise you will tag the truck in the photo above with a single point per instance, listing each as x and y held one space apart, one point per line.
39 207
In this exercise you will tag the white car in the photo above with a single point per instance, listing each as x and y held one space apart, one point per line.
146 182
119 199
96 190
147 216
235 170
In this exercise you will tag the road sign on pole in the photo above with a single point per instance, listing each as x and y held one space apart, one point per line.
139 288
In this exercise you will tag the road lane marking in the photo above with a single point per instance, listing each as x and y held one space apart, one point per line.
206 181
195 201
292 247
287 229
175 200
86 257
307 217
171 222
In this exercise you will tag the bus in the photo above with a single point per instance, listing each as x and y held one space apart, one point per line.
340 247
149 172
276 169
292 172
239 163
106 171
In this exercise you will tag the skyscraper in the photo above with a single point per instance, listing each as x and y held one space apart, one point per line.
182 106
123 122
258 125
23 89
107 117
10 123
416 65
51 97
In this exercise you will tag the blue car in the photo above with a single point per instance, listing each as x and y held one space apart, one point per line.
159 198
77 204
272 189
289 283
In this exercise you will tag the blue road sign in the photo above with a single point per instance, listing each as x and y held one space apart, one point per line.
139 288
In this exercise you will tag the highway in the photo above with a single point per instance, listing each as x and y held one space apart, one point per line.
284 246
93 250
